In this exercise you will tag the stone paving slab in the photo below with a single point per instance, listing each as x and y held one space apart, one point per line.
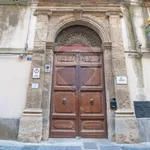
135 148
110 148
89 146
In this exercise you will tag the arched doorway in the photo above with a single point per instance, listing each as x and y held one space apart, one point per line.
78 106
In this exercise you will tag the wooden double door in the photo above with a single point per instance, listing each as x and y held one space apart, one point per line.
78 101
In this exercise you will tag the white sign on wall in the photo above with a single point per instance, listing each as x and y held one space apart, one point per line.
36 73
121 80
35 85
47 68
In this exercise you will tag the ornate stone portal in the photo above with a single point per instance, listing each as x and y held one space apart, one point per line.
34 123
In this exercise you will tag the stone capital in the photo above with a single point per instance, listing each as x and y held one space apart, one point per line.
47 12
50 45
40 51
106 46
114 13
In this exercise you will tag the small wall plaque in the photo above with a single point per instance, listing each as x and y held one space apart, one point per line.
36 73
35 85
47 68
121 80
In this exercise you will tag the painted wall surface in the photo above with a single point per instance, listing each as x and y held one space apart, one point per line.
17 26
133 29
14 81
146 76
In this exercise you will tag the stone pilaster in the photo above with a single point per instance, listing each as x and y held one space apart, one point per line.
118 60
46 100
126 129
31 122
109 86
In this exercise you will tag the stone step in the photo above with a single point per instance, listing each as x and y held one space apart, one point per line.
85 147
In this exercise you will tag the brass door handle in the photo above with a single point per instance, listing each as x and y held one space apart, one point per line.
64 101
91 101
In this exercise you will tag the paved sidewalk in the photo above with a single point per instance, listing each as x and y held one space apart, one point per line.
72 144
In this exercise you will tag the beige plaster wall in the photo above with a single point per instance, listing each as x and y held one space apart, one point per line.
17 27
146 72
137 68
15 23
14 81
133 80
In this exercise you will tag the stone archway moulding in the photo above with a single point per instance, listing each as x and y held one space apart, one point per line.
85 21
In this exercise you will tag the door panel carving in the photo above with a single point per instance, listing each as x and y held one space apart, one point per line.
64 124
91 102
90 76
65 102
65 58
65 76
90 58
93 125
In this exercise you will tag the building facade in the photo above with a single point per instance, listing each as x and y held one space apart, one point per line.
87 56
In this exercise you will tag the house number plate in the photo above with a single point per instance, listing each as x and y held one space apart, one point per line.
121 80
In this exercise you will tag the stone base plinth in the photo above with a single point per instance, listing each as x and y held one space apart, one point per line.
144 125
30 128
126 127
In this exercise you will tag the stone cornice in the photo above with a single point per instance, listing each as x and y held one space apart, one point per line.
103 3
78 11
38 51
114 13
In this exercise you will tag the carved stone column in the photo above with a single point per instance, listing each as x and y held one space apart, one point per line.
126 128
31 122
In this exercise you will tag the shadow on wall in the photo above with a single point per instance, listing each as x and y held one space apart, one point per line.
9 129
